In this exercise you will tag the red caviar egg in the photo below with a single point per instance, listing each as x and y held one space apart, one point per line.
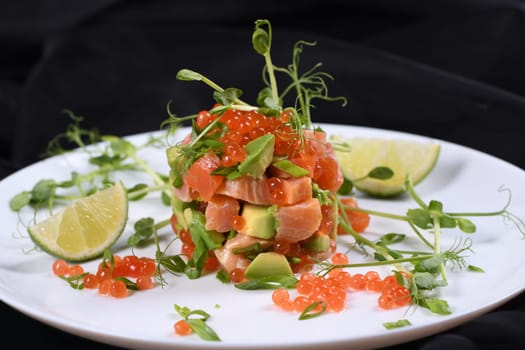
60 267
182 328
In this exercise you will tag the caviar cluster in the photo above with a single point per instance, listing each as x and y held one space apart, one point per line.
310 151
110 280
330 291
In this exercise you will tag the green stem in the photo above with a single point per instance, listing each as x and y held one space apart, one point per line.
413 194
492 213
211 84
244 107
378 249
378 213
411 252
216 87
427 243
437 244
437 235
164 187
386 262
157 227
145 166
209 127
273 81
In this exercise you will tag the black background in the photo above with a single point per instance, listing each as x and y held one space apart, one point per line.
453 70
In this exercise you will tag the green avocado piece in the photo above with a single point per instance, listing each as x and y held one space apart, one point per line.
177 207
317 243
179 161
268 264
197 222
259 221
174 156
260 156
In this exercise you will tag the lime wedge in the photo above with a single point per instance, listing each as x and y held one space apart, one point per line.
403 157
85 228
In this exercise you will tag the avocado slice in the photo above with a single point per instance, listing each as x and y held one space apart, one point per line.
178 162
268 264
259 221
177 207
317 243
260 156
175 156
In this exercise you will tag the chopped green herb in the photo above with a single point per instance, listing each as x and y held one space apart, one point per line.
397 324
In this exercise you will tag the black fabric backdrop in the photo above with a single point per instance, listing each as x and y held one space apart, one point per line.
451 69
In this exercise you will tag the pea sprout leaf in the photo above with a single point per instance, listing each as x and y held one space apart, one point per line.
144 230
381 173
20 200
466 225
346 187
188 75
228 96
437 306
391 238
43 191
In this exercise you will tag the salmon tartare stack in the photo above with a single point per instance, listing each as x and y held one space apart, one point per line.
255 186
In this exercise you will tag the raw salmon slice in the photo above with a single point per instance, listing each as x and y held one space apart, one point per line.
228 259
328 173
248 189
185 193
199 176
293 189
220 211
299 221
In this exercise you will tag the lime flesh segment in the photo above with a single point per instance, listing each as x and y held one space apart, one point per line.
403 157
85 228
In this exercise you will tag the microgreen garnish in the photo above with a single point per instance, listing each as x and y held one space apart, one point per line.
108 154
145 231
428 267
397 324
313 310
378 173
270 282
75 282
196 319
129 284
475 268
223 276
290 168
346 187
108 259
308 86
250 250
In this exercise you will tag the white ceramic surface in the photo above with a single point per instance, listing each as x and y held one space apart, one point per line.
464 180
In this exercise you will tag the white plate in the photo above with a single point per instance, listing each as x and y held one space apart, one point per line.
464 180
